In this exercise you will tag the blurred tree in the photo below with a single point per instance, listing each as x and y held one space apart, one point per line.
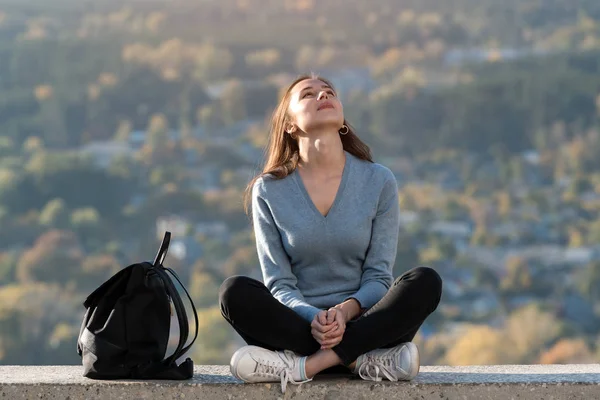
86 223
576 238
407 201
54 214
123 131
204 289
52 116
209 117
407 256
588 281
518 277
157 138
95 270
38 325
233 102
480 345
504 204
593 232
388 63
8 265
33 144
265 59
530 330
453 210
68 177
56 256
212 63
162 175
305 58
214 338
568 351
243 261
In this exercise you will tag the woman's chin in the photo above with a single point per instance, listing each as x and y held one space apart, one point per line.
324 124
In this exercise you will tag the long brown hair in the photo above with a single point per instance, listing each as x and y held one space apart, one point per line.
282 151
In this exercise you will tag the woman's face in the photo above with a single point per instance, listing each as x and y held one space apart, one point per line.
314 105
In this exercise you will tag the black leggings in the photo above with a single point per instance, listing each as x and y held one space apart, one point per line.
261 320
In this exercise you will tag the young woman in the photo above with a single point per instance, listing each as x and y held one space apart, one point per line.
326 223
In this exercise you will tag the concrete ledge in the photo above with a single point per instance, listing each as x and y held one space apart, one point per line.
214 382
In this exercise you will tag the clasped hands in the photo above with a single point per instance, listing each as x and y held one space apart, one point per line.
328 326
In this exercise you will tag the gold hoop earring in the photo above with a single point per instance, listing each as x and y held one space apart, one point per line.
344 130
293 136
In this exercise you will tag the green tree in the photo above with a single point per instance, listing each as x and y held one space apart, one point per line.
212 63
33 329
204 289
54 214
518 277
215 336
233 102
55 257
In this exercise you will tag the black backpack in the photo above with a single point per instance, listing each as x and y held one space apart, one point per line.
126 326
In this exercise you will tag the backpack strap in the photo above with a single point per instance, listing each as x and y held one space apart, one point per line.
162 251
184 350
176 298
184 328
154 369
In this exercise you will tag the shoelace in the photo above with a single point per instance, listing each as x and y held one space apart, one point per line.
382 363
273 369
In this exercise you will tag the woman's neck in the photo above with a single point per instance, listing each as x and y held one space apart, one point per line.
321 154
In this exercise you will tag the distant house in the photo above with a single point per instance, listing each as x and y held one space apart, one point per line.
455 230
579 255
457 57
214 230
103 153
178 226
555 256
408 218
205 178
532 157
186 249
508 230
137 139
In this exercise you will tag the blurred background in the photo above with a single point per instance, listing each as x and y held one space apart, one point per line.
120 119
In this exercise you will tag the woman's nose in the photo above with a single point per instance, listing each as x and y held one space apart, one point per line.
322 94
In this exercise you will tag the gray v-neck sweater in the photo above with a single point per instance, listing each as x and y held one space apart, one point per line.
311 262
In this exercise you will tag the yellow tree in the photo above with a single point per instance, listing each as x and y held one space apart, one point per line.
233 102
529 330
479 345
568 351
517 276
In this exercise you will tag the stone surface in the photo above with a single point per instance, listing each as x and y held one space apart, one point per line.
556 382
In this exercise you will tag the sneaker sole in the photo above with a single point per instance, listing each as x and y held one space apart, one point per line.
414 355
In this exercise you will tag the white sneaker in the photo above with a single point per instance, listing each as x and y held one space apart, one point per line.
255 364
398 363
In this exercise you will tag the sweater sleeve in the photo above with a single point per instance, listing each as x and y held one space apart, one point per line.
377 268
274 261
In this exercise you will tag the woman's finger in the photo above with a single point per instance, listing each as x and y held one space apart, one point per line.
323 328
319 337
335 334
331 315
322 317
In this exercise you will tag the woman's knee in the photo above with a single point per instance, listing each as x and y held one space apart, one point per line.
429 278
431 285
233 288
426 281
